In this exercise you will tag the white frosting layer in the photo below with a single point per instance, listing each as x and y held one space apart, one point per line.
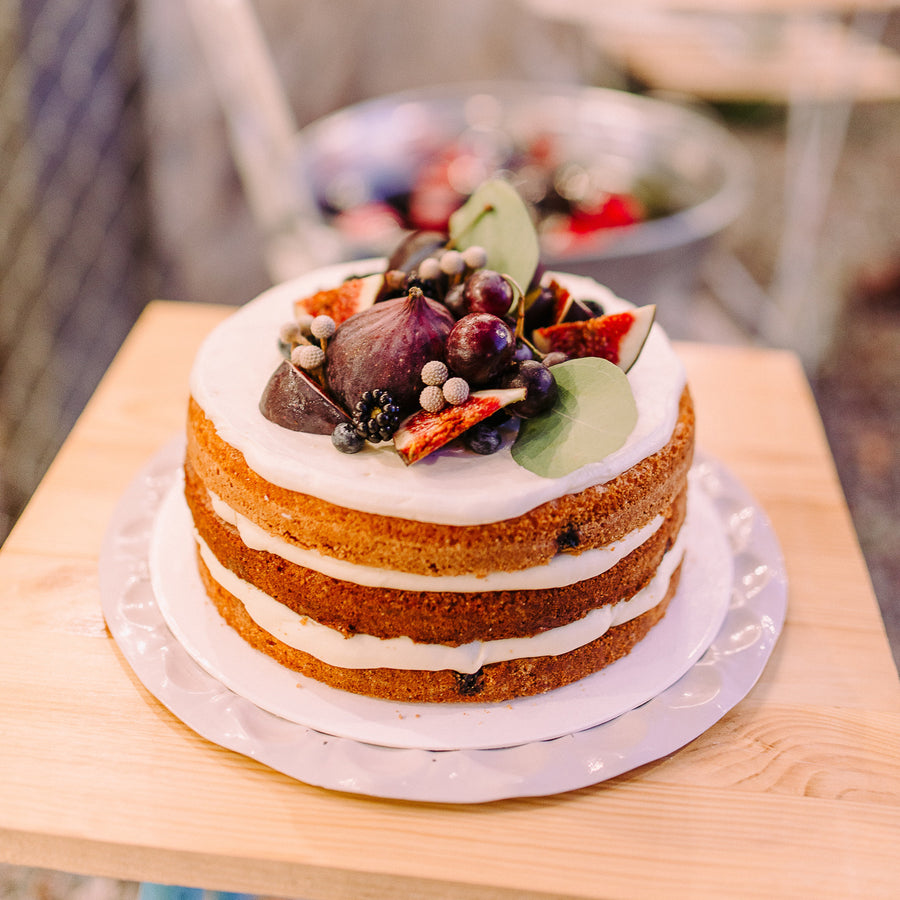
564 569
449 487
362 651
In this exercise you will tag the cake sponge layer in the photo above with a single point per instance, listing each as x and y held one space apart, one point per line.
588 519
442 617
494 682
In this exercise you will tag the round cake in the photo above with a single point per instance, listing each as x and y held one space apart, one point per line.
462 574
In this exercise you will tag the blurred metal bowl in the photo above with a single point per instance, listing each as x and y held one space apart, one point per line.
373 150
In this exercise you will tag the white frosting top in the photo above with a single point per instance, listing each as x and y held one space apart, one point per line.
451 486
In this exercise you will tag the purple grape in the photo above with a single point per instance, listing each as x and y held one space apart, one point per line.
523 352
540 389
487 291
479 347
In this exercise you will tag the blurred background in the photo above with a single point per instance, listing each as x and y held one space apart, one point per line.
145 148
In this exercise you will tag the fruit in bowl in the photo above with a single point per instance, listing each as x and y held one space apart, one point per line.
573 202
626 189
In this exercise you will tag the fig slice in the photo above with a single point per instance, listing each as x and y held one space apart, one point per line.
554 304
617 337
562 300
294 400
343 301
424 432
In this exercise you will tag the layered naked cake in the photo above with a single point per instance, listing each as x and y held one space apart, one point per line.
471 567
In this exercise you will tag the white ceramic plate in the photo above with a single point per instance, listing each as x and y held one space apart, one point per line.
670 649
541 745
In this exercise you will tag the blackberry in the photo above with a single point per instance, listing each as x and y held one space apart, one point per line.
376 416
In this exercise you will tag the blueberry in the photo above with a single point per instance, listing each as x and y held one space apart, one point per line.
568 539
470 684
483 439
345 438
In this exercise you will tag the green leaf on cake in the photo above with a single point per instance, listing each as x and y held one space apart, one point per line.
496 218
592 417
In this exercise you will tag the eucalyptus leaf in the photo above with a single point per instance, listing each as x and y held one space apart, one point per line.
592 417
495 217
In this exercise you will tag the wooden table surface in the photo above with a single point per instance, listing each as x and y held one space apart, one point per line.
795 792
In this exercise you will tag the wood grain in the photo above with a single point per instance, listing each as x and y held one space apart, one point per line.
796 792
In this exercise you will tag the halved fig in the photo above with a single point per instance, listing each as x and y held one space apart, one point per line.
294 400
341 302
617 337
424 432
415 247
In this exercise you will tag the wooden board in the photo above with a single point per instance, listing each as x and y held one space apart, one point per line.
796 792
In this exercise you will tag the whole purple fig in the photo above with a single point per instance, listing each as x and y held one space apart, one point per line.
384 347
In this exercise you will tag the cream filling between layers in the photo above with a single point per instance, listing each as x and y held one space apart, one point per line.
363 651
562 570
